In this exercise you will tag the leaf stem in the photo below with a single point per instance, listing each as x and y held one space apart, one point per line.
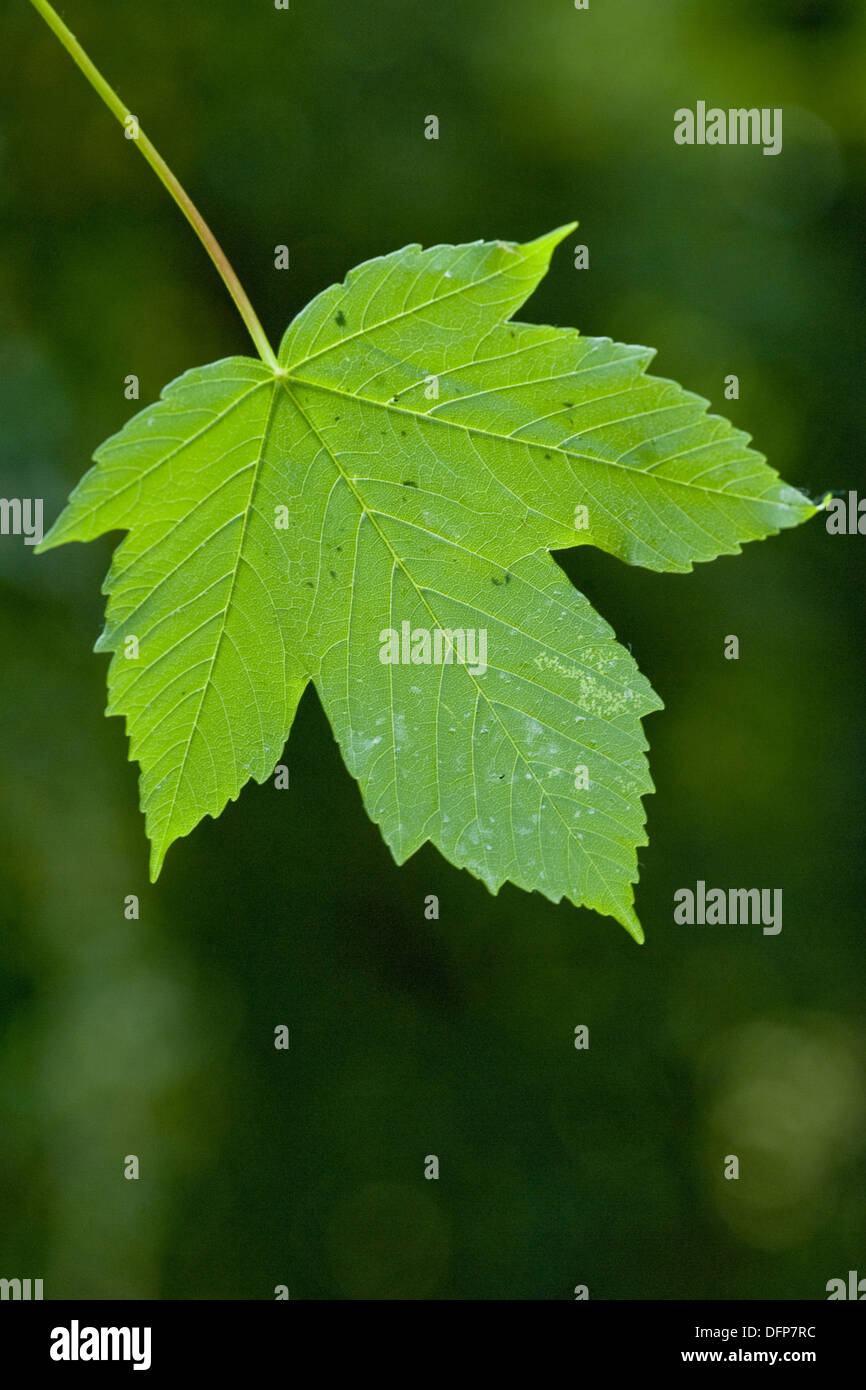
167 178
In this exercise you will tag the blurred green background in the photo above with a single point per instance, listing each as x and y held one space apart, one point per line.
409 1037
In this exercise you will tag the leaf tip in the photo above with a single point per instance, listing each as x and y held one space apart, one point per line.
552 239
157 859
632 926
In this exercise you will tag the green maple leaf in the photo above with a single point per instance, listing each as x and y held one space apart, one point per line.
406 470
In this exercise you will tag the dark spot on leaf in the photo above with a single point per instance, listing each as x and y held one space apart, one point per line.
332 573
308 583
568 404
403 432
409 482
340 318
497 582
547 456
507 577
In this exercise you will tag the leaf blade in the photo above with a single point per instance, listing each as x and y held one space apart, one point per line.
645 503
428 452
190 587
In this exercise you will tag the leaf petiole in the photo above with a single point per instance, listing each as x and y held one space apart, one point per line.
167 178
